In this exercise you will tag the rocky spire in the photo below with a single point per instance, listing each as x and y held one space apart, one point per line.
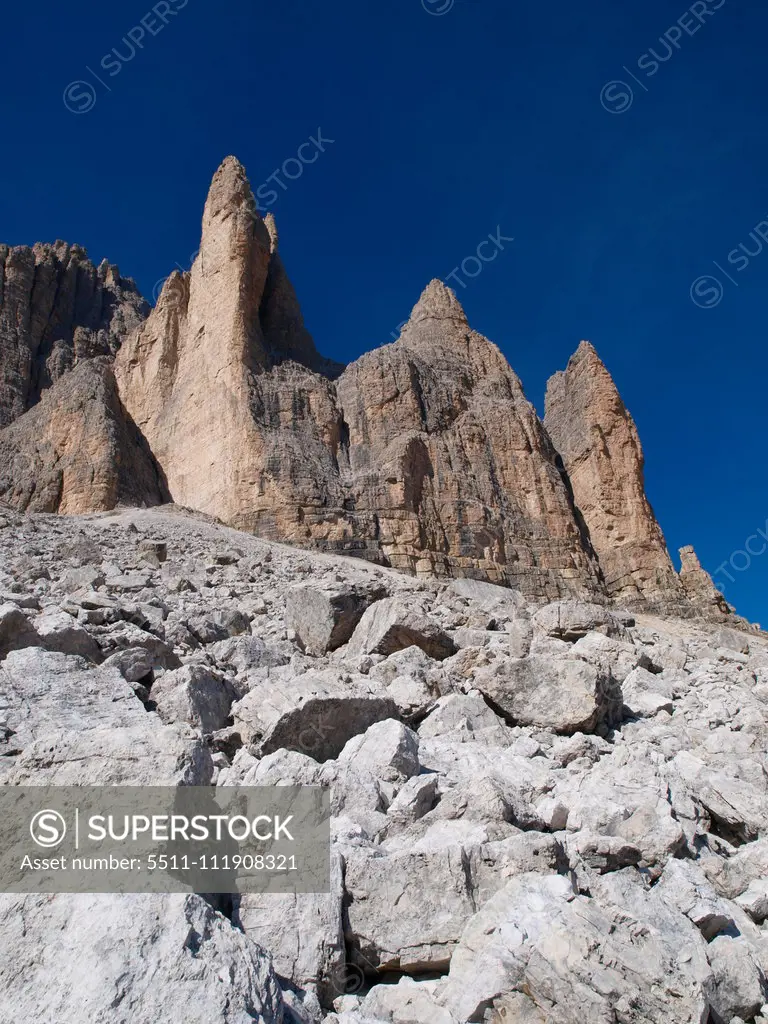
699 586
447 451
274 235
598 442
438 302
230 272
196 377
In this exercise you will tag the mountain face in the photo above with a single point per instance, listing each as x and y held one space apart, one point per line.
57 309
603 460
443 451
66 444
77 451
423 455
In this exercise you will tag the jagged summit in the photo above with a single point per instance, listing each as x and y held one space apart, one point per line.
274 236
586 350
438 302
229 184
424 455
586 356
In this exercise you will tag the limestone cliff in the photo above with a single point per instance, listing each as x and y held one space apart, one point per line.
77 451
424 454
699 586
598 442
245 430
450 457
56 309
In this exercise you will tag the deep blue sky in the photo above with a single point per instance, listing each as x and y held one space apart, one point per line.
447 127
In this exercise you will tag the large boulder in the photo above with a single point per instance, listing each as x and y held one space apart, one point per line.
195 694
388 749
324 619
221 624
141 755
735 875
646 693
42 691
245 653
130 960
324 725
58 631
393 625
572 620
404 1003
575 959
565 696
627 798
464 718
16 630
736 805
303 933
738 989
315 713
406 911
502 602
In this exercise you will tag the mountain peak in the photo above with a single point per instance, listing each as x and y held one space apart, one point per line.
597 440
230 168
438 302
425 454
586 350
230 192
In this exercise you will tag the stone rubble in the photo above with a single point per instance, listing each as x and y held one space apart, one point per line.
545 813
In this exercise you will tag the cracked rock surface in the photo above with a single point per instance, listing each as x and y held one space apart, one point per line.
548 813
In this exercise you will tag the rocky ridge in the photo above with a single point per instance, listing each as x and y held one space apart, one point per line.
542 813
423 455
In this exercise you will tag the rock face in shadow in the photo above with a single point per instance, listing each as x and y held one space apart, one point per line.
77 451
56 309
603 459
66 444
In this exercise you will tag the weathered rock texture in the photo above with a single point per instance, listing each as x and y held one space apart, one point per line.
77 451
699 587
452 463
423 455
57 309
574 834
598 442
240 433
